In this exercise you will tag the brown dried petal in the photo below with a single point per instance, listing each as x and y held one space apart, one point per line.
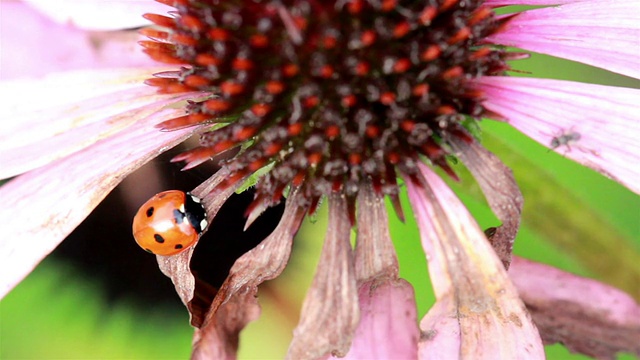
330 311
501 191
196 295
218 337
586 316
375 256
235 305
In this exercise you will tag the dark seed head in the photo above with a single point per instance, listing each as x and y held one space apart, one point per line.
332 93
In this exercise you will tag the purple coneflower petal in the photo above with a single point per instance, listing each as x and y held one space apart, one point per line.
388 328
99 15
67 112
66 190
330 311
584 315
496 3
599 123
605 34
34 45
388 321
375 256
478 312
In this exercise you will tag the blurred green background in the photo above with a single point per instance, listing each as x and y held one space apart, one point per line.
574 219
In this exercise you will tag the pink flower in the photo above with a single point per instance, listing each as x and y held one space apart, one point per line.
340 99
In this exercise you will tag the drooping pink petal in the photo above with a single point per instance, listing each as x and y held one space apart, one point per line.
388 325
330 312
495 3
43 206
45 120
604 118
478 313
584 315
99 15
375 256
388 328
605 34
34 45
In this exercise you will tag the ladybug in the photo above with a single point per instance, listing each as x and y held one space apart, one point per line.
169 223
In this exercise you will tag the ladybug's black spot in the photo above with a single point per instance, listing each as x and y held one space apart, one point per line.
158 238
150 211
179 246
149 251
178 216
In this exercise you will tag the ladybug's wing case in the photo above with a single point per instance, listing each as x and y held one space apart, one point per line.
162 226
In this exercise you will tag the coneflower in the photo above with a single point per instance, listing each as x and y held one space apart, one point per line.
349 100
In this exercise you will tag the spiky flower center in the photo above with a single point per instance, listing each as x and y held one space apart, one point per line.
331 94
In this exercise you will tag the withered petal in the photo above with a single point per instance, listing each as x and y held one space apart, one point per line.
218 338
235 304
478 309
330 312
501 191
267 260
584 315
375 256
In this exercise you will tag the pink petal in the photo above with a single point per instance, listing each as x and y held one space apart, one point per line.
330 311
388 328
43 206
495 3
478 313
99 15
605 34
33 45
75 110
606 119
586 316
375 256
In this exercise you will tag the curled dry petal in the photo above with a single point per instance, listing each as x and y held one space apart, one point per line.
581 31
584 315
196 295
501 191
219 336
478 313
235 304
594 125
69 188
330 310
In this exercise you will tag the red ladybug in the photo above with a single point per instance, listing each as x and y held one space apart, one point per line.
169 223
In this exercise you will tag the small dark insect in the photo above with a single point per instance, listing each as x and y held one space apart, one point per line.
565 139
